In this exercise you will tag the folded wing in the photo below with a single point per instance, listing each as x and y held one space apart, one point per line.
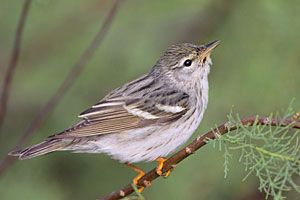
118 114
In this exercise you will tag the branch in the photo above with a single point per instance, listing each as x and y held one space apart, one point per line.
13 61
199 142
64 87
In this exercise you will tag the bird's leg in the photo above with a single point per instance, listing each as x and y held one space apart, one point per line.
160 164
136 179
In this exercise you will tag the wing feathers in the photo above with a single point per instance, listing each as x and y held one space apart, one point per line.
107 104
124 113
140 113
171 109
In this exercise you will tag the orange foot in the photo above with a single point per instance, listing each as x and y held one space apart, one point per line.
136 179
160 165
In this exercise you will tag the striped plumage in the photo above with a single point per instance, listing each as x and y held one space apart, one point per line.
143 119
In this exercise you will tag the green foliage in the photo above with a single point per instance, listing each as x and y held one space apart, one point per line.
270 153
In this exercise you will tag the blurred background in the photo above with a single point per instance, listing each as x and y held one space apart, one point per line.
255 71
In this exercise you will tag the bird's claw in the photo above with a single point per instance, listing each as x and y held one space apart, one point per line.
160 165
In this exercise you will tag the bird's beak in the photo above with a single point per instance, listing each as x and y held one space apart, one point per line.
210 47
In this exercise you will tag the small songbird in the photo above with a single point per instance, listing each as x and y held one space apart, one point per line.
143 120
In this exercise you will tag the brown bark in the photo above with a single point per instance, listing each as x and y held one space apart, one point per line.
199 142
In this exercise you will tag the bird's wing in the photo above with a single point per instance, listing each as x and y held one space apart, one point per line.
126 113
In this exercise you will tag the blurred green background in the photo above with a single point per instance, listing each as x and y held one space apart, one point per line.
256 70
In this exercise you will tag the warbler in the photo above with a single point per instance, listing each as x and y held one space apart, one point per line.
143 120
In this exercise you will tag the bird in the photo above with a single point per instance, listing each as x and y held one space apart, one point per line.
146 119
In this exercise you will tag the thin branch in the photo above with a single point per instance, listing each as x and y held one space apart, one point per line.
13 61
199 142
66 84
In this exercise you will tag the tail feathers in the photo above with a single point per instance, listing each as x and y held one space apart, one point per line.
40 149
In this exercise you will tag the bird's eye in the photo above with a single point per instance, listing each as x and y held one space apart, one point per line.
187 63
204 60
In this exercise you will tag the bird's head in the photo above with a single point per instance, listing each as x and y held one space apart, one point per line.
186 62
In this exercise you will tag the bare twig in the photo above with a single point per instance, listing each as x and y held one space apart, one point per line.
199 142
66 84
13 61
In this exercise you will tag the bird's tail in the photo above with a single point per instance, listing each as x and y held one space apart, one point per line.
47 146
